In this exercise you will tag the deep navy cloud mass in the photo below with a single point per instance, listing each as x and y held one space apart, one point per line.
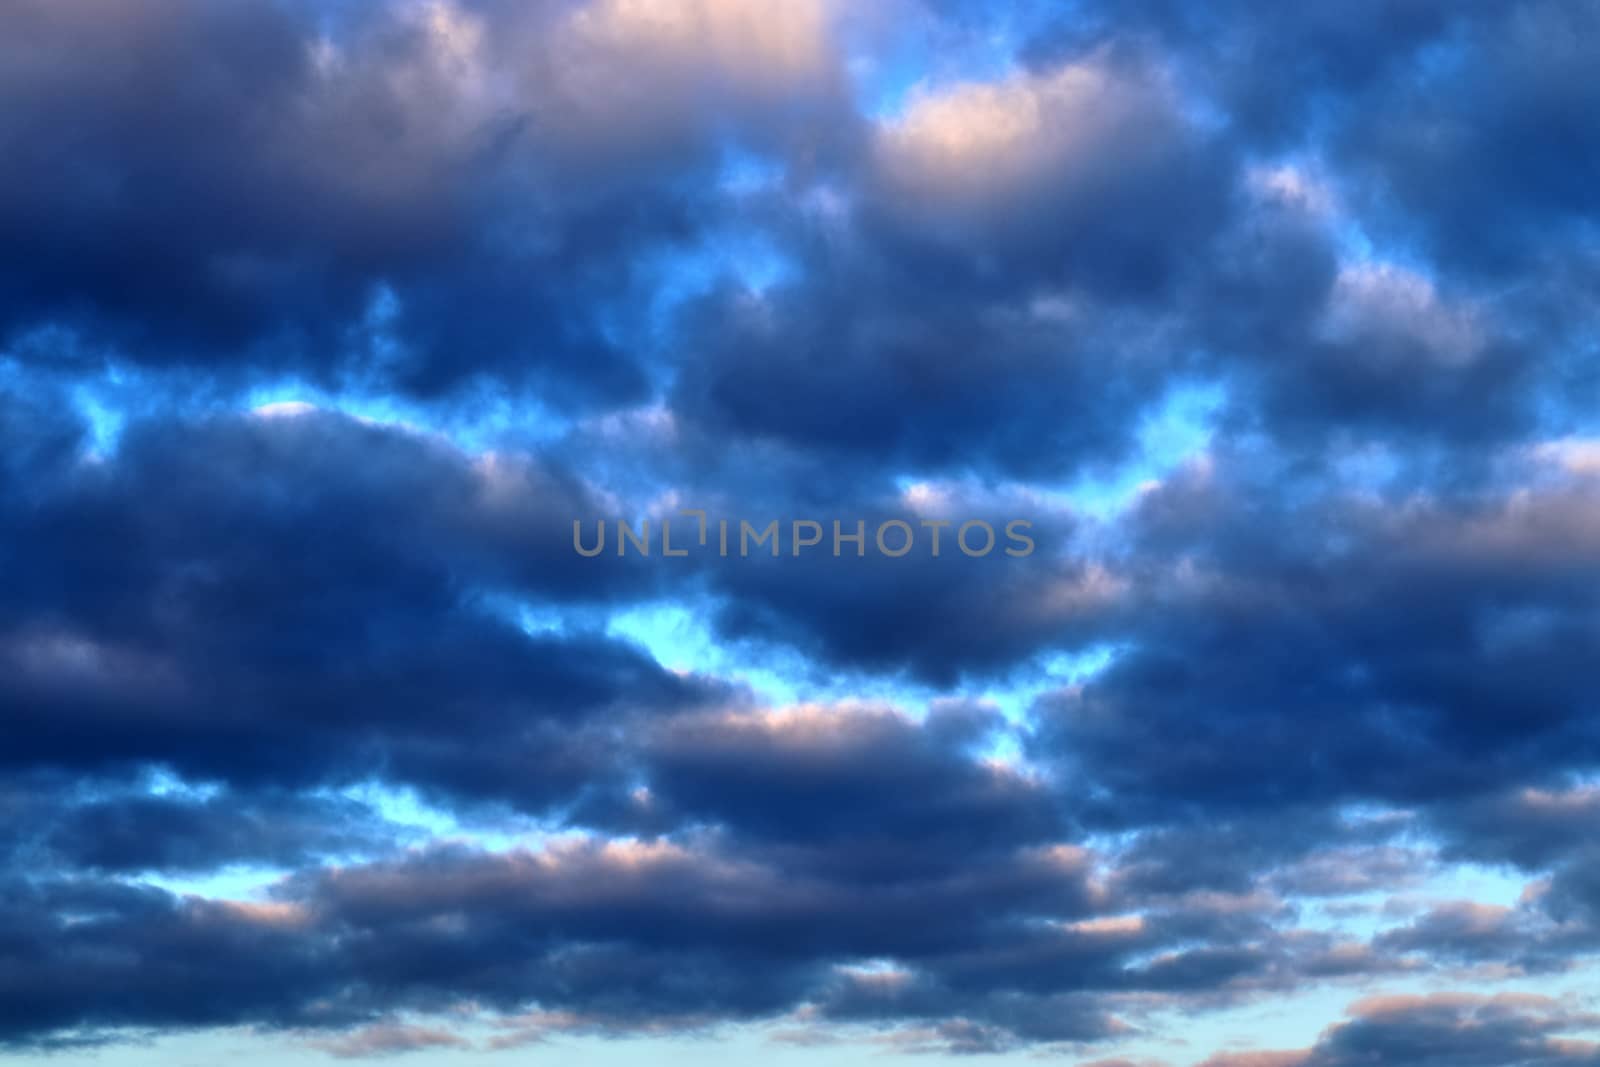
320 325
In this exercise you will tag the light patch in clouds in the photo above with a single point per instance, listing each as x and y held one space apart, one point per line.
761 45
1295 186
1376 304
973 148
1576 455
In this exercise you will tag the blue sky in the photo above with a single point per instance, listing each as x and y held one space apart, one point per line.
325 329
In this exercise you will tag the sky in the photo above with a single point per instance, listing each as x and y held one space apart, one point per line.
1259 337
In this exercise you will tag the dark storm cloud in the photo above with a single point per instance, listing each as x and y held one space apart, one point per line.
80 956
413 199
1340 651
1488 159
864 794
122 830
1533 828
1423 99
1458 1030
253 487
975 615
667 898
1320 352
619 932
972 299
1574 893
617 935
980 615
293 613
1461 136
1349 640
409 196
1306 850
1278 71
874 372
1024 268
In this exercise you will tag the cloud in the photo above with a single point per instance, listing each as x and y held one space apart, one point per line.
123 830
416 196
297 576
1271 321
1344 644
389 1039
1439 1029
1088 173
